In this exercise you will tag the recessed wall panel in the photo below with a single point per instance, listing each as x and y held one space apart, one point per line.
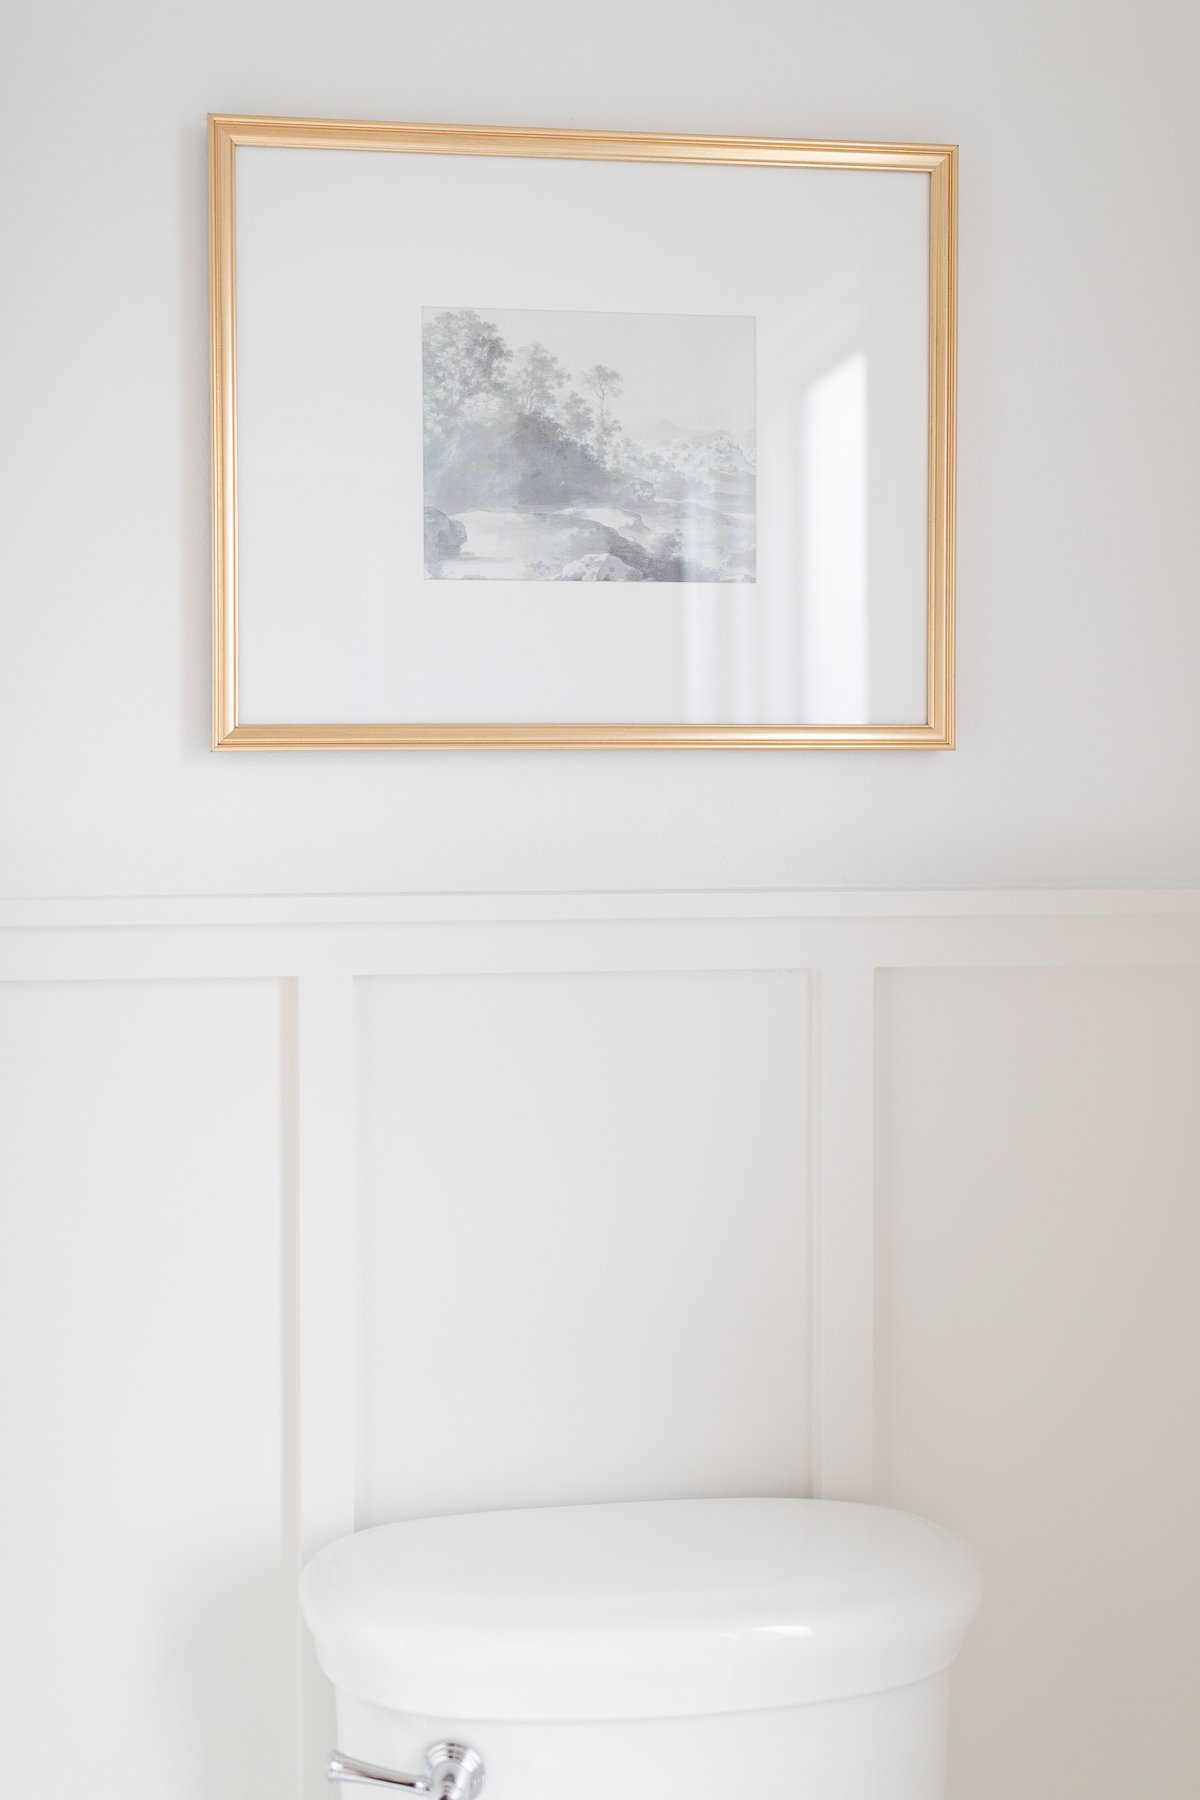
584 1240
1038 1173
148 1641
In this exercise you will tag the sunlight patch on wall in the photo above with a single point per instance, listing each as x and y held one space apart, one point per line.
835 636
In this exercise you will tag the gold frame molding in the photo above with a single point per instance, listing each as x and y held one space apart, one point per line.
938 161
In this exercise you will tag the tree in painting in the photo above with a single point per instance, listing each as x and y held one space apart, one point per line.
462 358
604 385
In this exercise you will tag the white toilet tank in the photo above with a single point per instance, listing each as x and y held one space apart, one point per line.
666 1650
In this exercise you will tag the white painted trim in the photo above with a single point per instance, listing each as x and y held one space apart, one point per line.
325 1318
653 943
750 903
843 1198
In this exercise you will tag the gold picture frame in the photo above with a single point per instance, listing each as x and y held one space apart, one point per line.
939 162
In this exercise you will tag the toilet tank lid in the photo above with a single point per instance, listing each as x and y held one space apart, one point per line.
646 1610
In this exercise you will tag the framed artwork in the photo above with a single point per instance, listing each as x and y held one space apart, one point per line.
554 438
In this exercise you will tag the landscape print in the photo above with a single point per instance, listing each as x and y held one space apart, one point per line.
578 446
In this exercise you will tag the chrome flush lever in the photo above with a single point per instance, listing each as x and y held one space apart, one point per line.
452 1772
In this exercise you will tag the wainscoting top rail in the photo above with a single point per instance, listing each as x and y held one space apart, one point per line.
601 905
592 933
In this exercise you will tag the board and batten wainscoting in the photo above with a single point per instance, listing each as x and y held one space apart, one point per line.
326 1212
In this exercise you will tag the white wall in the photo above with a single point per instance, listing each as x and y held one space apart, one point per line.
1080 386
321 1213
970 1122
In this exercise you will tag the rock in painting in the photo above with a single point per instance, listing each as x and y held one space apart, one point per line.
600 567
444 537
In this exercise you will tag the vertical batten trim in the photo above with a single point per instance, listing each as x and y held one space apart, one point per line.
325 1314
844 1234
